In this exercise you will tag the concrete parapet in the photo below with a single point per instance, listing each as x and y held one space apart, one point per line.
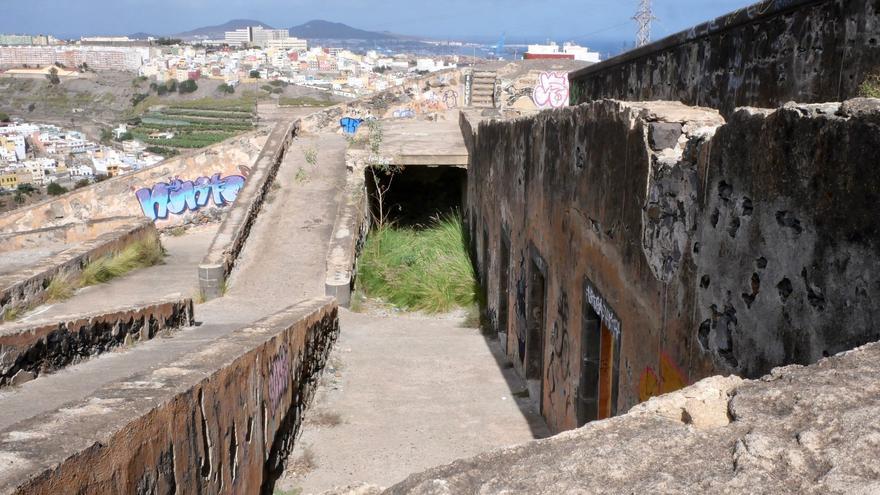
71 233
349 234
236 227
28 350
221 420
26 287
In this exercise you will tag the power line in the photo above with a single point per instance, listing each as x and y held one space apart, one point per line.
644 16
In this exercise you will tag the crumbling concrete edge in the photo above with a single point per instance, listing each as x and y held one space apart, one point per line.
27 287
236 226
349 233
221 420
28 350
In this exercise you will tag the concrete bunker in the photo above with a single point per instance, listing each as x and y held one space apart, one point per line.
411 196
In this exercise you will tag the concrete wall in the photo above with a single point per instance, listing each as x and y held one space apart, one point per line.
28 350
763 55
703 254
117 196
26 287
69 234
220 421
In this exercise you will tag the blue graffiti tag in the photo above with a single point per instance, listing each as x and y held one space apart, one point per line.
350 125
178 196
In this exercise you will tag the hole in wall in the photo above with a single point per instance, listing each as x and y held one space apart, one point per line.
416 194
785 289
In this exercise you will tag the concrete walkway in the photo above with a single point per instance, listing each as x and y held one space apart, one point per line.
273 273
406 394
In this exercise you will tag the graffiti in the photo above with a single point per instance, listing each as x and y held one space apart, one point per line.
450 98
513 94
177 196
559 369
670 379
551 90
279 377
350 125
602 309
468 88
404 113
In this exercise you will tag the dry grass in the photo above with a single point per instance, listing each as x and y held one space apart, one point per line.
61 288
140 254
870 88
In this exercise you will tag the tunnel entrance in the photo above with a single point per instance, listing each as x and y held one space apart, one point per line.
412 196
600 350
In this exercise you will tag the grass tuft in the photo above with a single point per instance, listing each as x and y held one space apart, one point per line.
61 288
419 270
141 254
870 88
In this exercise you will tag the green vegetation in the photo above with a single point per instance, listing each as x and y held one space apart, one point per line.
52 76
60 288
188 86
424 270
81 183
159 150
4 117
140 254
55 189
225 88
870 88
303 101
255 74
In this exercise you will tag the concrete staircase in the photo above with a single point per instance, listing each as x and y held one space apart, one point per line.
483 89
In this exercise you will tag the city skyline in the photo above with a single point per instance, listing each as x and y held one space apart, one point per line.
456 19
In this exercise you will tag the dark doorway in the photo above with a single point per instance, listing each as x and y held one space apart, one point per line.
504 288
416 194
535 323
600 349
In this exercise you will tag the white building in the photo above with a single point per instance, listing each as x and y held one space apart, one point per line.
288 44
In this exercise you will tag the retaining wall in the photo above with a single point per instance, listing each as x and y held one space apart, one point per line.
28 350
220 421
236 225
116 196
26 287
764 55
70 234
702 246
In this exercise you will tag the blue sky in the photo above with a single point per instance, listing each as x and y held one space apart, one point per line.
557 19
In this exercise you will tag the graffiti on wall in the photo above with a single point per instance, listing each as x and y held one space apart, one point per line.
609 318
178 196
559 369
404 113
350 125
551 91
279 377
669 379
450 98
513 94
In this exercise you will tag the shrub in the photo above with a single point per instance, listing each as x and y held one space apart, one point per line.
55 189
188 86
870 88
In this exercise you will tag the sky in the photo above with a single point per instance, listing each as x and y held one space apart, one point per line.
442 19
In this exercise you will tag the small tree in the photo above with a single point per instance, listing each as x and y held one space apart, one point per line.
4 117
379 166
52 76
225 88
188 86
81 183
255 74
171 85
137 98
26 189
106 136
55 189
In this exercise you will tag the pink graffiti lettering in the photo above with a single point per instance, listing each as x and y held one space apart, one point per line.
551 90
279 377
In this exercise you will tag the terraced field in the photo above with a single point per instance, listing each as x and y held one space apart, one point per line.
194 124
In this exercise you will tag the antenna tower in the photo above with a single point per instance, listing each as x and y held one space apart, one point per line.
644 16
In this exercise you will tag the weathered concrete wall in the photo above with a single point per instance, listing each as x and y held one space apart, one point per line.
27 287
680 232
763 55
236 225
173 204
220 421
70 234
797 431
349 232
421 98
28 350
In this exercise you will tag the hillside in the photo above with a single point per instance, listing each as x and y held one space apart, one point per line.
319 29
218 32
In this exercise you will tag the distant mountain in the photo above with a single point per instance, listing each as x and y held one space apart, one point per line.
142 36
316 30
218 32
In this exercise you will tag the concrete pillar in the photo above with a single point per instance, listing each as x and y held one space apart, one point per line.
212 280
340 290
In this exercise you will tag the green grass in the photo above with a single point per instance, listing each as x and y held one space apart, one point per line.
419 270
60 288
303 101
140 254
870 88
